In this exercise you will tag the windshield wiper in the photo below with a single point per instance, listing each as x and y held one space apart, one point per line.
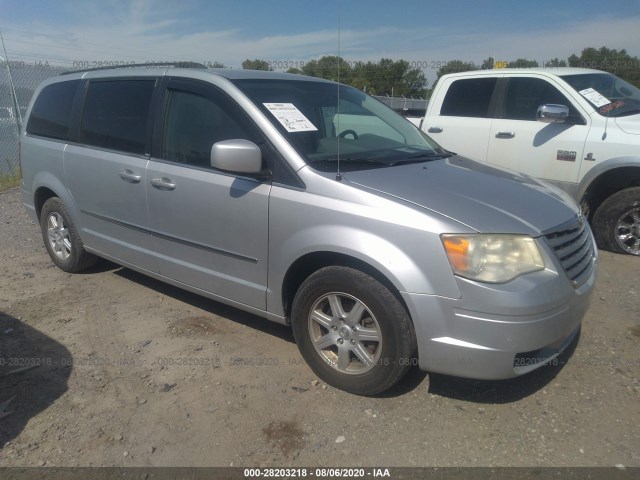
350 160
444 154
383 161
421 157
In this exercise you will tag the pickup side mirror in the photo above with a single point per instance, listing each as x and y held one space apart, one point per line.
236 156
551 113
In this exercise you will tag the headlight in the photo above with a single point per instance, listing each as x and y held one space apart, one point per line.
492 258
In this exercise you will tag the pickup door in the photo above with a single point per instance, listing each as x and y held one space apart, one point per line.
551 151
461 121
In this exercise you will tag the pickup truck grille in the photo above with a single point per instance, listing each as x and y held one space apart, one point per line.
574 248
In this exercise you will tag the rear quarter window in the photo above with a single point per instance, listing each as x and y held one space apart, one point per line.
51 112
469 98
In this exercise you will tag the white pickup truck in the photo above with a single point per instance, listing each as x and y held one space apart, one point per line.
576 128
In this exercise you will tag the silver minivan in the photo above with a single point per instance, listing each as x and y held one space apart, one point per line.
311 204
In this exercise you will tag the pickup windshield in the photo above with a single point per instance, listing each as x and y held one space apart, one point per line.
329 123
609 95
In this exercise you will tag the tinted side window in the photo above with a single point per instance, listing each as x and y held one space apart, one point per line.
468 98
116 113
193 123
51 113
525 95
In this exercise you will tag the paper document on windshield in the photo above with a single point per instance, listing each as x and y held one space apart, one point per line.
595 97
290 117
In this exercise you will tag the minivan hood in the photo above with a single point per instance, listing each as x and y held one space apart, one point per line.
630 124
486 199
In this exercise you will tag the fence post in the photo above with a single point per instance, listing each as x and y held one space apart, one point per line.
12 90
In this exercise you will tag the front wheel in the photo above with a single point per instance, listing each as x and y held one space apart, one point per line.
616 223
61 238
352 331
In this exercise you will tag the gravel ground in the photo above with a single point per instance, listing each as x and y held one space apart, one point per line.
120 370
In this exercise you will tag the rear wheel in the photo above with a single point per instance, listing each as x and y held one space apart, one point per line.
352 331
616 223
61 238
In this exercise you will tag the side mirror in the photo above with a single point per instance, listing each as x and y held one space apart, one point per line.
551 113
236 156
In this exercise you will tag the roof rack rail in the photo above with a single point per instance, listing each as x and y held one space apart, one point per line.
148 65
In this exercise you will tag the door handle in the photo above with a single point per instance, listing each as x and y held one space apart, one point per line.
128 176
505 134
435 130
163 184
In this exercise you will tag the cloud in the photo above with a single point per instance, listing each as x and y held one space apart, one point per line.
537 43
152 41
143 30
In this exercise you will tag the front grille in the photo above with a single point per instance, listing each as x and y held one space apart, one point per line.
574 248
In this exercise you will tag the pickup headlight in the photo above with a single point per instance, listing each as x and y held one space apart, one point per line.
492 258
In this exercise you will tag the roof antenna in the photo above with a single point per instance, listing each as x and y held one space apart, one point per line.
338 174
606 121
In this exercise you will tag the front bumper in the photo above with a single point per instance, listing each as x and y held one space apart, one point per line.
499 331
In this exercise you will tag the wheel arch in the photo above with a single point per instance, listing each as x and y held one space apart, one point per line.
309 263
607 178
40 196
46 186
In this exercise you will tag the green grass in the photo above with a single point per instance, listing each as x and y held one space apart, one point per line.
9 180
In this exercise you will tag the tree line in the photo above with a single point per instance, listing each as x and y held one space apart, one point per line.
617 62
402 78
385 76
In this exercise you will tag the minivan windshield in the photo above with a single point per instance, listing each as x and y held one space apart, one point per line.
609 95
326 121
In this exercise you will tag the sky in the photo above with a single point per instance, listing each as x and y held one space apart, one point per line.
425 33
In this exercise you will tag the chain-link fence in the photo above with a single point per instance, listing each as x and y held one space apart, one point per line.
402 103
26 79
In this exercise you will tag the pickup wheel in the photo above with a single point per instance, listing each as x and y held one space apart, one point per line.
352 331
616 223
61 238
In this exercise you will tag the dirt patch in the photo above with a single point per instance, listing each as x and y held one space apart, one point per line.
286 435
193 326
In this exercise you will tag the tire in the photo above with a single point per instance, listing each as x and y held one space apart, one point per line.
61 238
616 223
332 311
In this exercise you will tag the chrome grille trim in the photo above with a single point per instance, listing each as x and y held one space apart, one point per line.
572 245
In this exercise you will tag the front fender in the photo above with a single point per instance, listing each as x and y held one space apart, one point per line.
430 273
